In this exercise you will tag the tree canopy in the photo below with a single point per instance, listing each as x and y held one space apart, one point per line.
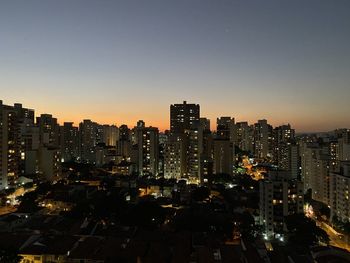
303 231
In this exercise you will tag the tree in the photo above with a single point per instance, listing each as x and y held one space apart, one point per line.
199 218
247 226
147 214
325 211
347 228
303 231
9 256
28 203
200 193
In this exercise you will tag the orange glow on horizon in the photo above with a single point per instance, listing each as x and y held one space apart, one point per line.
158 115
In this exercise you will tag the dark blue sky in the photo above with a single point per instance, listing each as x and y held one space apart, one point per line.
120 61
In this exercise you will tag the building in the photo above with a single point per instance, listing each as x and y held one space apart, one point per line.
48 130
226 129
194 138
148 150
285 151
279 197
261 139
205 123
316 164
175 165
9 146
69 137
224 145
163 138
49 160
182 117
124 142
89 138
222 156
339 193
110 135
181 153
244 138
30 143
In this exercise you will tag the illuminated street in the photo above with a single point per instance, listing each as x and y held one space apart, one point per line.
336 239
7 209
254 172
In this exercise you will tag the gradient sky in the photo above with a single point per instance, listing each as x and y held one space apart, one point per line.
121 61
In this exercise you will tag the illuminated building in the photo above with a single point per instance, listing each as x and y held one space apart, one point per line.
194 138
110 135
49 162
163 138
339 192
148 150
285 152
124 143
89 137
205 123
182 117
106 154
244 138
226 129
9 138
222 156
223 145
30 143
48 130
69 137
279 197
181 157
175 157
315 169
261 139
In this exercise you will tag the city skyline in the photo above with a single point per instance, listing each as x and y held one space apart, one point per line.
213 122
120 61
174 131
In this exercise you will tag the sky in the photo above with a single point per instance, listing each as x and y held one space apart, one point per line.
117 61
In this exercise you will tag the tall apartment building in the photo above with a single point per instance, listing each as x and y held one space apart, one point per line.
315 169
198 143
321 157
12 142
9 137
224 145
175 152
69 137
182 117
89 138
261 139
222 156
206 156
30 144
48 130
226 129
163 139
285 151
48 156
339 192
184 122
194 146
148 150
49 161
343 139
205 124
124 142
279 197
244 137
110 135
